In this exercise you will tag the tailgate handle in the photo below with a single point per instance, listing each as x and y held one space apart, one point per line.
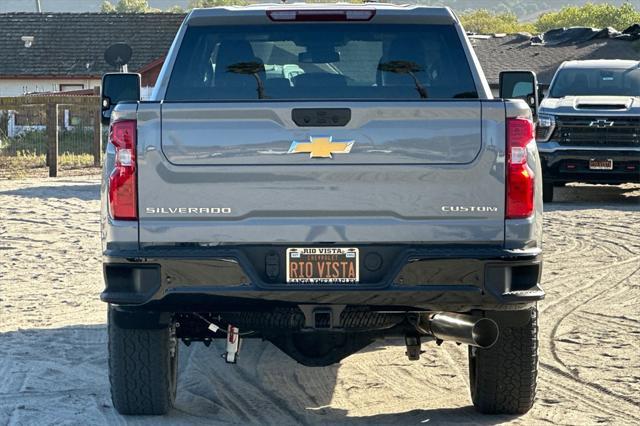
321 117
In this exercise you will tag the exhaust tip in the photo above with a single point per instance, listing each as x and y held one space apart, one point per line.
485 333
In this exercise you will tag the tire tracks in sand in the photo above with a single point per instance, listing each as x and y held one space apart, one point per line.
577 294
51 252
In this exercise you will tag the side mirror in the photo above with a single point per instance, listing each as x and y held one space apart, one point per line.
118 87
520 85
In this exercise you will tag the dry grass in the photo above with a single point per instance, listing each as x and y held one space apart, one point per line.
31 165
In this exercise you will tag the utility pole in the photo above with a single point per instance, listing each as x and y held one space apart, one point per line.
38 6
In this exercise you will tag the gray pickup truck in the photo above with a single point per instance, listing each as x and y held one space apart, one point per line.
589 124
320 177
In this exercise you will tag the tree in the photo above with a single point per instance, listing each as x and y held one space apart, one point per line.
128 6
484 21
107 7
214 3
175 9
590 15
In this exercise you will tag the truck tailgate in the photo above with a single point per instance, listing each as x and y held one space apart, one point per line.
242 173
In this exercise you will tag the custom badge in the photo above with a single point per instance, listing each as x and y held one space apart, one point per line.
321 147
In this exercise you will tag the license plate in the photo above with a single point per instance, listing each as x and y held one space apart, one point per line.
595 164
323 265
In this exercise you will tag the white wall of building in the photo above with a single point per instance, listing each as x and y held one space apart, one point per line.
18 87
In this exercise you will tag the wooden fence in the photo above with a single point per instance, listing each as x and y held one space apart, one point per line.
51 105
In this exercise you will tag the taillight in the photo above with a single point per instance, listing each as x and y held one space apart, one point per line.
520 178
123 198
311 15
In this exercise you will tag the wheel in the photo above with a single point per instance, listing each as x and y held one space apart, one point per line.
547 192
502 378
142 368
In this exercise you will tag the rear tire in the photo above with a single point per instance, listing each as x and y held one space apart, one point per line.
547 192
142 368
503 377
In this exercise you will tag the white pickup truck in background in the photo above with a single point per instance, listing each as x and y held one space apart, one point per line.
588 126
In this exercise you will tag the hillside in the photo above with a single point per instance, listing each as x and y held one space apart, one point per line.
73 5
526 10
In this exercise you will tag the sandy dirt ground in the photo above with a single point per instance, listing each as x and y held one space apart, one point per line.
53 354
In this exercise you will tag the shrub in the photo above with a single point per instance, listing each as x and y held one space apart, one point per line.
484 21
590 15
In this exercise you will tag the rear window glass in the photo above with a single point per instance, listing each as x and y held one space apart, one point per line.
320 61
596 82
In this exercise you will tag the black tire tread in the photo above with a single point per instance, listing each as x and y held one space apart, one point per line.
140 370
506 373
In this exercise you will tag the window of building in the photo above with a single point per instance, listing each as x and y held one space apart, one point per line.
69 87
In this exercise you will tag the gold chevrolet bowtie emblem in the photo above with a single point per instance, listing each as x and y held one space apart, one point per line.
321 147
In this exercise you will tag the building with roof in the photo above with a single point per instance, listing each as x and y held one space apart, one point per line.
517 52
45 52
48 52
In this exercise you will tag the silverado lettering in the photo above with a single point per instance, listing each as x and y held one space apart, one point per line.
187 210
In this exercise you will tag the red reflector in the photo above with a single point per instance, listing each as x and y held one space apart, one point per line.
520 178
571 166
631 167
520 132
321 15
123 192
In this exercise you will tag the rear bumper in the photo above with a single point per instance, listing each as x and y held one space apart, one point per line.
572 165
460 278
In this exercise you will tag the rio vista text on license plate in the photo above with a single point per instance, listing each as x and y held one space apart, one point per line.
323 265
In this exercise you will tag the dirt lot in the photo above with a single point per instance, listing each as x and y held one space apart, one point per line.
53 355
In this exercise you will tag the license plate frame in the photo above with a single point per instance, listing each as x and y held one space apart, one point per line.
600 164
323 265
